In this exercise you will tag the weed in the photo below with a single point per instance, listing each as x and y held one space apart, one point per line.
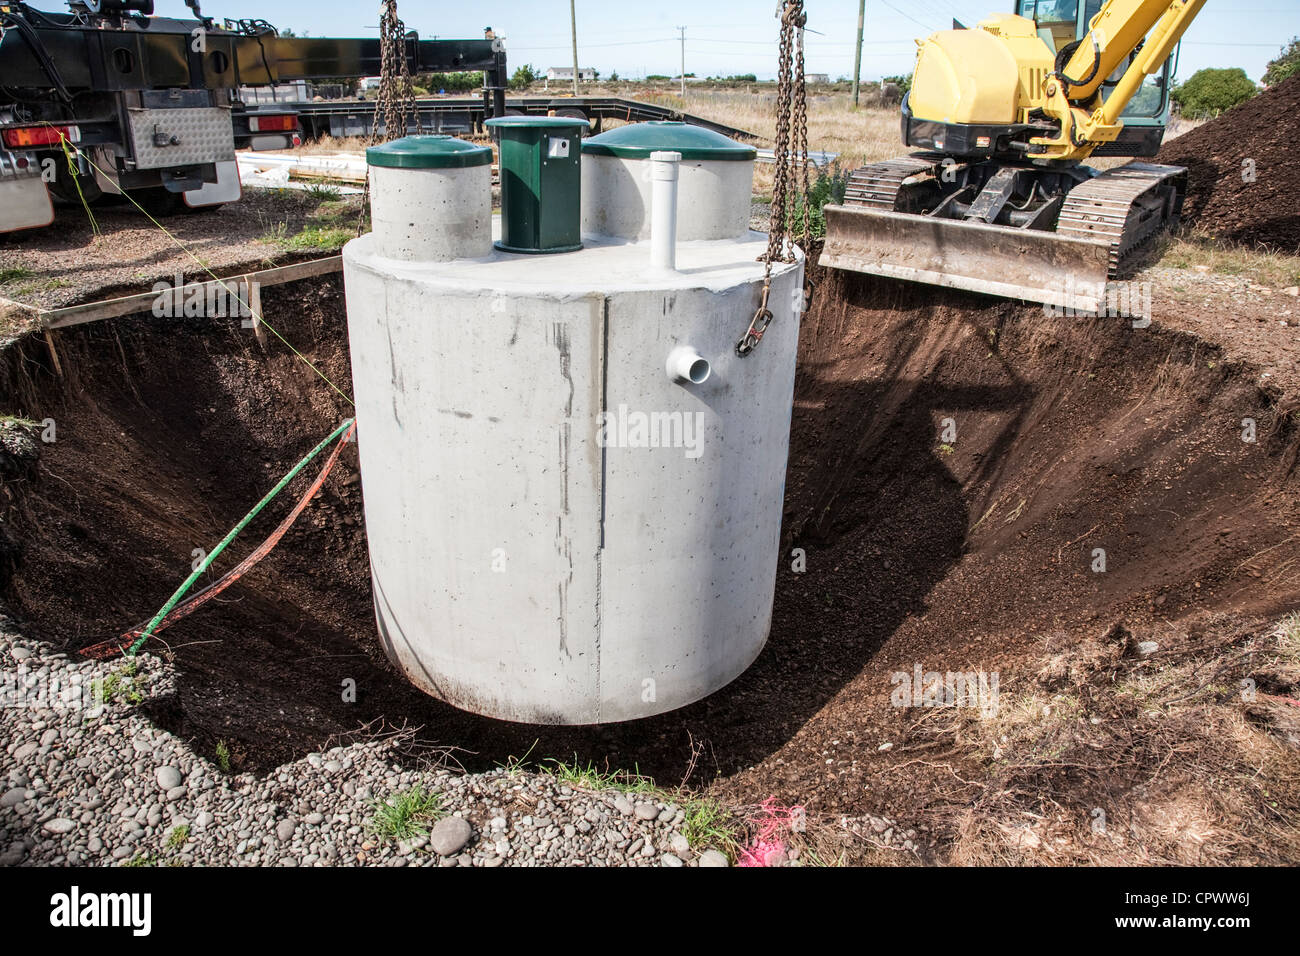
223 756
323 191
405 814
515 765
592 778
176 839
12 274
121 685
276 233
711 826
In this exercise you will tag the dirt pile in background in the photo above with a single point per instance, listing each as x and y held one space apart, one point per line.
1259 136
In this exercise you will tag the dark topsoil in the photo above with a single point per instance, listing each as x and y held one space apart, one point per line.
1071 436
1264 131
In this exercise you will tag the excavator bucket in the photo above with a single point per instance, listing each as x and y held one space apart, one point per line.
1031 265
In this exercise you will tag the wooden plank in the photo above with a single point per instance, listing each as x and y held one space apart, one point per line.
143 301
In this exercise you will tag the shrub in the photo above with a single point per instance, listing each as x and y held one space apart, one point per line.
524 77
1285 66
1210 92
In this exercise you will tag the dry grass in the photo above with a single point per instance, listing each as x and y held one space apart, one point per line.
1200 251
1108 756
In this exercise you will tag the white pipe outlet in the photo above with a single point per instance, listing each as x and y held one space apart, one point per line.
664 167
687 365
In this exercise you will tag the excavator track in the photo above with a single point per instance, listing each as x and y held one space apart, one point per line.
877 186
1126 207
1102 228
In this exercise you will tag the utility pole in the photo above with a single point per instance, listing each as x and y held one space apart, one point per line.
857 57
682 31
573 23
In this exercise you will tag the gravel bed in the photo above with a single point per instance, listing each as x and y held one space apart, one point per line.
102 786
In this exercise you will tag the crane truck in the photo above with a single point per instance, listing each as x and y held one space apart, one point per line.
997 196
108 99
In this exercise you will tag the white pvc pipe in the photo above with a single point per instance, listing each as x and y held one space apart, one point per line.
687 365
663 212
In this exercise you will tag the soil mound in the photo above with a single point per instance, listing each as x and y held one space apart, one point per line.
1244 172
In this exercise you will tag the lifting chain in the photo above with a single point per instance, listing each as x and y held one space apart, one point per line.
396 99
791 163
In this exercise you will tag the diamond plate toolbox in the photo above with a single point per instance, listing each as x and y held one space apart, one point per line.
182 137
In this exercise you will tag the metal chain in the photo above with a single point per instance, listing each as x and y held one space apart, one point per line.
396 99
791 123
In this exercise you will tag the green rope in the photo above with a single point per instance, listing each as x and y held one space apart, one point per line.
189 582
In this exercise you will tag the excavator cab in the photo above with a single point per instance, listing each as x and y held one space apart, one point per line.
996 196
1061 23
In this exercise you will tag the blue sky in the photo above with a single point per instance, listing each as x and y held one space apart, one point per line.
734 36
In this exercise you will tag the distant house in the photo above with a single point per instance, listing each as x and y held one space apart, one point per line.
817 77
566 73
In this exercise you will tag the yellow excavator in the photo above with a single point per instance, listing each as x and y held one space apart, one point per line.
997 198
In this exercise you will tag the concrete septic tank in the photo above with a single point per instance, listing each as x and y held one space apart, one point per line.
417 180
573 485
716 181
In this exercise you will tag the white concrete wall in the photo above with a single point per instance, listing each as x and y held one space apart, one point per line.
628 581
713 198
431 215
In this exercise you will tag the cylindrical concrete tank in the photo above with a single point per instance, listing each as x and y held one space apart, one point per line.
716 181
418 180
573 485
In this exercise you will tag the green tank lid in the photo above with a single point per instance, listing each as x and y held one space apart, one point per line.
429 152
549 122
639 140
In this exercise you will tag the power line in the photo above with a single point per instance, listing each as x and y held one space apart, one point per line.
908 15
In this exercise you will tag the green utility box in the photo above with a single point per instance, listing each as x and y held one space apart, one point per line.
541 182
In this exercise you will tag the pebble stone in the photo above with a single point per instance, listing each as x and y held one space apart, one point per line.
168 777
449 835
106 787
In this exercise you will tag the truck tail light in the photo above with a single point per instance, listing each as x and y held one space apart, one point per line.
273 124
25 137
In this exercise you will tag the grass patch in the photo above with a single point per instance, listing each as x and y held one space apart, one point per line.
708 824
405 814
1287 634
176 839
324 192
13 421
711 826
1200 251
317 239
120 685
591 777
12 274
